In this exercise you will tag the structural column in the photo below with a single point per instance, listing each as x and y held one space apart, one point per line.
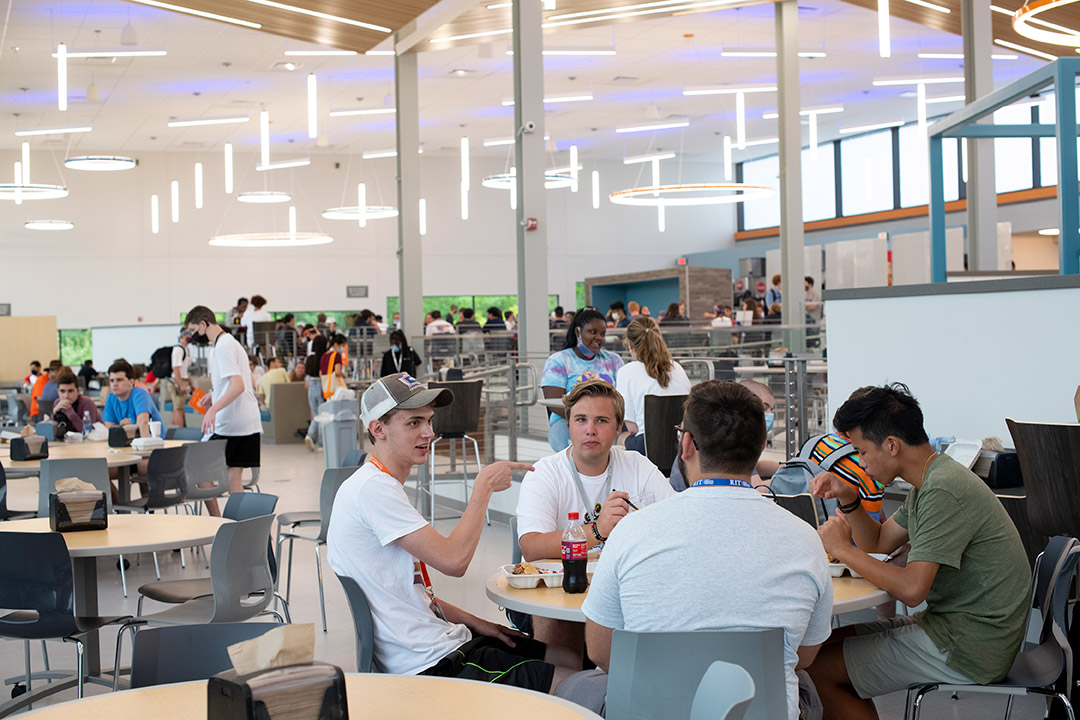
409 253
981 191
532 246
791 213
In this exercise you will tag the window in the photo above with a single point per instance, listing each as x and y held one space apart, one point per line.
763 212
866 172
915 168
1048 146
818 188
1012 156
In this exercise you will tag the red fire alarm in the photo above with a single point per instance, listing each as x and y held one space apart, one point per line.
681 261
530 223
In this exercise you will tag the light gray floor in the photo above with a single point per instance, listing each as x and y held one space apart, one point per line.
293 474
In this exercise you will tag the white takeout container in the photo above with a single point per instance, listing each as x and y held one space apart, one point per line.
550 579
837 569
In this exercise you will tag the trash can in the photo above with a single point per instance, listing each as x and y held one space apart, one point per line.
339 433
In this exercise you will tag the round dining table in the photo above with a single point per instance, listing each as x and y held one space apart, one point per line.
385 697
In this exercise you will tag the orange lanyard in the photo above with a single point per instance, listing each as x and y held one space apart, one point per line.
423 566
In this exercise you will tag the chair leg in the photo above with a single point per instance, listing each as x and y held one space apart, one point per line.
479 466
26 652
916 704
1008 706
322 599
288 577
119 649
79 652
138 608
45 657
123 576
284 608
183 564
157 568
1068 705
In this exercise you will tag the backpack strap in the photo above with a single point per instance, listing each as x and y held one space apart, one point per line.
808 448
835 456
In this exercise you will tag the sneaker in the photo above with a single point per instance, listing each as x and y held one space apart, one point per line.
309 443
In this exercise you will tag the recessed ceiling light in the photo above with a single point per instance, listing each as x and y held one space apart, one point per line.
375 154
635 159
48 225
1050 231
727 90
1024 49
264 197
389 53
100 163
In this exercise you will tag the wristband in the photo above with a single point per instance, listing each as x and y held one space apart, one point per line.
597 535
848 509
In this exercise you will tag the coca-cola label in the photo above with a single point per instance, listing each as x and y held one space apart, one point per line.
574 550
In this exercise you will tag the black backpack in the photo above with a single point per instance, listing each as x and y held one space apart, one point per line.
161 361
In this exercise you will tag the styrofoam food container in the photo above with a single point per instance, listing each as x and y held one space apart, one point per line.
550 579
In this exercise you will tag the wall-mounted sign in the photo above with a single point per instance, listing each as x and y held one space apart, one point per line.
5 309
356 291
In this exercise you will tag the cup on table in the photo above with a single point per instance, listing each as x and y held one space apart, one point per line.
155 428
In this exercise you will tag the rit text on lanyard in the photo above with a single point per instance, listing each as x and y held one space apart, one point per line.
722 482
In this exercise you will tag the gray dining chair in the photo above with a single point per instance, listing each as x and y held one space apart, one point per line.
183 653
724 693
204 464
364 625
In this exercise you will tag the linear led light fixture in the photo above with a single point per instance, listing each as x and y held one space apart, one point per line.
25 163
198 186
959 56
806 113
945 99
376 154
579 97
284 165
867 128
114 53
209 121
628 11
200 13
1039 21
321 15
727 90
635 159
423 216
174 196
1025 50
385 53
469 36
931 6
884 33
499 6
155 220
312 107
368 111
574 51
494 142
654 126
61 77
767 54
228 169
918 81
596 189
321 53
53 131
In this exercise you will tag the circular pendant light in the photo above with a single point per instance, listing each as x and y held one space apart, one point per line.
552 181
49 225
1026 15
352 212
264 197
11 191
271 239
101 163
705 194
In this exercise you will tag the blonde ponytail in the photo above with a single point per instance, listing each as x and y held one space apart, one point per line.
644 337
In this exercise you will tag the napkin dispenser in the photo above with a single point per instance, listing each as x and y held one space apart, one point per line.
31 447
122 435
309 691
78 510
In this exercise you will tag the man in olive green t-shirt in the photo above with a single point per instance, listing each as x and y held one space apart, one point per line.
966 562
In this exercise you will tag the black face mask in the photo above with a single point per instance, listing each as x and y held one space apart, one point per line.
199 338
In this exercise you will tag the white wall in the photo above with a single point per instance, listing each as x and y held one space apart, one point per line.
115 272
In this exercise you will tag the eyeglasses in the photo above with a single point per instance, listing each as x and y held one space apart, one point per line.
680 429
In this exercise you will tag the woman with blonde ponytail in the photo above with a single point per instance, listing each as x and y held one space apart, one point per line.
651 372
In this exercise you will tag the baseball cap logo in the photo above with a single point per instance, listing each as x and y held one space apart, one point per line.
409 381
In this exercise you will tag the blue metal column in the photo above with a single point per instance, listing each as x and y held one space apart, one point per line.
937 211
1068 196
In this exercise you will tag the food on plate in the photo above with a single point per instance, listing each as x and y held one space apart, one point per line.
524 568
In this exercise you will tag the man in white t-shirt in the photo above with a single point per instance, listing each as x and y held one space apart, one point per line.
589 478
767 570
177 387
233 415
438 326
377 538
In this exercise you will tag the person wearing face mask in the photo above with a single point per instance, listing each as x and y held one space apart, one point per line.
652 371
400 357
582 358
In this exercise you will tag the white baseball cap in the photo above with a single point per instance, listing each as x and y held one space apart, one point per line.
400 390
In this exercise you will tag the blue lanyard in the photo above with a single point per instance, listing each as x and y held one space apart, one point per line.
722 482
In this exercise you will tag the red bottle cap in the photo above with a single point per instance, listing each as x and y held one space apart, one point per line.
572 516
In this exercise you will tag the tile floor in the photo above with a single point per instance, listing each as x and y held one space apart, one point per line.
292 473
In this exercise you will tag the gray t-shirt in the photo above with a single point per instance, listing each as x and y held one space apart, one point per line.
716 558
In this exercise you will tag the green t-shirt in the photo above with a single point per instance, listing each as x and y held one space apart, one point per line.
977 606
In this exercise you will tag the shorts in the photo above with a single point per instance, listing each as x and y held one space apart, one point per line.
241 450
490 660
170 392
889 655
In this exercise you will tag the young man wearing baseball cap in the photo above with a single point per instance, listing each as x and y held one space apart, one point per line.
377 538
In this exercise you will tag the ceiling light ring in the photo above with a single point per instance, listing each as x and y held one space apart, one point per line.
32 191
101 163
1030 10
264 197
507 181
49 225
352 212
271 239
654 196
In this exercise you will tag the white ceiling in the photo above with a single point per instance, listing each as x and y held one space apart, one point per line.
214 69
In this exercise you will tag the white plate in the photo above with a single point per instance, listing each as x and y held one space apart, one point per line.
837 569
965 452
551 579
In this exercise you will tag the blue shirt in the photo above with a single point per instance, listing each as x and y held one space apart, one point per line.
138 402
51 391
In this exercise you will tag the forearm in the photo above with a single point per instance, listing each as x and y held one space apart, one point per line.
865 530
454 614
465 537
143 421
900 582
236 388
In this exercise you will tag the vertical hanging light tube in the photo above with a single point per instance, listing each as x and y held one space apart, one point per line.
18 182
292 224
728 168
26 163
513 190
61 77
656 176
312 107
264 137
174 189
740 120
198 186
573 168
884 38
920 94
464 178
155 224
963 160
596 189
813 137
361 204
661 221
423 217
228 169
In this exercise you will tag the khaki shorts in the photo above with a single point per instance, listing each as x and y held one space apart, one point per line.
171 393
890 655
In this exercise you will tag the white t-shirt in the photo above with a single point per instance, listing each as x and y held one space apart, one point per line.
371 511
549 493
439 327
721 321
634 383
249 319
241 416
766 569
181 358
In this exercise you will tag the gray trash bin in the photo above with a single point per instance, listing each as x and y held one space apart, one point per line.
339 435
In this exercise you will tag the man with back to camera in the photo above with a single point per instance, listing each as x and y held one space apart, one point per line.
377 538
495 321
177 387
467 322
438 326
45 386
588 478
73 404
767 570
317 345
966 562
233 414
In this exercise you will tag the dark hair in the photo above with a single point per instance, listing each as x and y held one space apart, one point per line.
55 364
399 336
508 314
494 311
673 310
37 363
617 305
88 363
467 313
122 366
66 378
287 318
881 412
727 422
435 315
241 301
582 319
198 314
258 301
809 280
338 339
378 318
559 311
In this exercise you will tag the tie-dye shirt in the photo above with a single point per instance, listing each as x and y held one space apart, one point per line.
565 369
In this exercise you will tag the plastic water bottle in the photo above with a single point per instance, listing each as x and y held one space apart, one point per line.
87 425
575 556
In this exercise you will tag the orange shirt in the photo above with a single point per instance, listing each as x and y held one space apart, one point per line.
36 391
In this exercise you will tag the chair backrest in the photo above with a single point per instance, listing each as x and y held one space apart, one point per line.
354 458
802 506
45 407
43 586
365 627
241 506
183 653
183 433
725 693
92 470
1049 456
662 414
165 477
515 544
1034 541
204 462
461 416
3 494
240 571
656 674
331 481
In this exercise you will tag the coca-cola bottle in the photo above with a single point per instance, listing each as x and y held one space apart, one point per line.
575 556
